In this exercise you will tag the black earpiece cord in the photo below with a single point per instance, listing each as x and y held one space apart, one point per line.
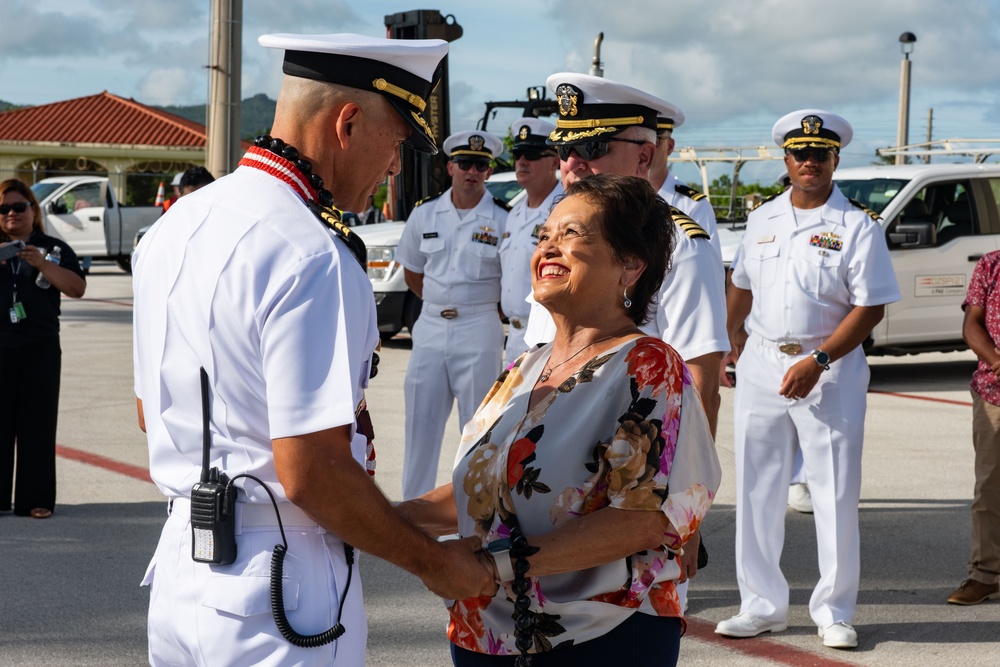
277 594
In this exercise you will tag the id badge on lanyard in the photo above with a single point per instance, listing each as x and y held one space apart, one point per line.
17 309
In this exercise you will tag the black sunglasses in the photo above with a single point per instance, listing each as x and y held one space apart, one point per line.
466 165
803 154
531 155
592 150
19 207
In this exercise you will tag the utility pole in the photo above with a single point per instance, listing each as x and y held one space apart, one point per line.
930 134
223 150
906 42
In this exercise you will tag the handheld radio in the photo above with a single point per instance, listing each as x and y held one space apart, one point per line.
213 506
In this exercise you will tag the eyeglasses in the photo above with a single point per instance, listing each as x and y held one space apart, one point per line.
803 154
19 207
466 165
592 150
531 155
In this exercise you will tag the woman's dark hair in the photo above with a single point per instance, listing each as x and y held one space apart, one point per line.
21 188
635 222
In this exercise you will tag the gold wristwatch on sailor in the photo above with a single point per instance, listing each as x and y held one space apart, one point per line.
822 358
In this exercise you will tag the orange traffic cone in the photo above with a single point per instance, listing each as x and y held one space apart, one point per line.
160 195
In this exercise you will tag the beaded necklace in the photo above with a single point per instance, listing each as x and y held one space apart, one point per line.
273 156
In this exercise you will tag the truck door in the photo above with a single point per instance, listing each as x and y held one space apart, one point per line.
77 217
933 280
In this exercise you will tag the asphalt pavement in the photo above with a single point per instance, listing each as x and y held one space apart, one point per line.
70 590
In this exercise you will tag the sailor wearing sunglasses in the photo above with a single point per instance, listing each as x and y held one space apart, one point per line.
449 253
536 167
813 281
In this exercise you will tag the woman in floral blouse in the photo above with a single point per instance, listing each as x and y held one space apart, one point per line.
590 463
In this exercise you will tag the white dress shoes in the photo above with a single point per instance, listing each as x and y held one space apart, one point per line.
748 625
799 498
838 635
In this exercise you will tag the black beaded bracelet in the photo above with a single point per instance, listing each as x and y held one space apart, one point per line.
524 620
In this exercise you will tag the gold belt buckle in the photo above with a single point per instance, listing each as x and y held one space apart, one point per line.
789 346
449 313
516 323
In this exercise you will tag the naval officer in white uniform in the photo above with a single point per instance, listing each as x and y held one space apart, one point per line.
813 279
254 279
536 166
449 252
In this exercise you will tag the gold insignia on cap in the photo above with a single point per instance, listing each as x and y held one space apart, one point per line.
567 96
812 124
423 123
410 98
523 134
476 142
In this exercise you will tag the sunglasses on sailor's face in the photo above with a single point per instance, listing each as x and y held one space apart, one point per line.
531 155
466 165
592 150
803 154
19 207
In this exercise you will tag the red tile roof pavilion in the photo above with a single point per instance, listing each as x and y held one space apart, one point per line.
102 119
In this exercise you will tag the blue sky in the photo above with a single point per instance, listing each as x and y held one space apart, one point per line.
733 66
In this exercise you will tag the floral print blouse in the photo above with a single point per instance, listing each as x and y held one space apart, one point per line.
627 431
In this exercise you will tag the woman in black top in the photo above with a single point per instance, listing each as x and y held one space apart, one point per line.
30 356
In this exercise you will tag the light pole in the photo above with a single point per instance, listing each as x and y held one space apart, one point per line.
906 42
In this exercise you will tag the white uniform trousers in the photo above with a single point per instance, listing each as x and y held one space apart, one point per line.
828 425
219 615
452 359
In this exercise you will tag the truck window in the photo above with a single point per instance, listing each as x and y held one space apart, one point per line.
949 207
875 193
85 195
995 188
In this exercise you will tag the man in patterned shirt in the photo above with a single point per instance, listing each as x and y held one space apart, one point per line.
981 331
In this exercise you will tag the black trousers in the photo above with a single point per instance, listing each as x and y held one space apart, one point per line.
643 640
29 406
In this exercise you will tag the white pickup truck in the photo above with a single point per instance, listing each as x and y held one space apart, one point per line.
939 219
84 212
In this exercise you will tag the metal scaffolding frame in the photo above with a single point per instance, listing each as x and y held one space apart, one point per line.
701 156
978 149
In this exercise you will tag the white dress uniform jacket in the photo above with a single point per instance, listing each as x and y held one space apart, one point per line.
516 249
458 338
242 279
696 205
805 278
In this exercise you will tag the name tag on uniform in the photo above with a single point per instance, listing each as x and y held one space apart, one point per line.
430 235
766 239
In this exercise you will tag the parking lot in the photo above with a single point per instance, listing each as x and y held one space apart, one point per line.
70 584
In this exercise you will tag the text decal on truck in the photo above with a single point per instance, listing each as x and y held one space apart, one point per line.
939 285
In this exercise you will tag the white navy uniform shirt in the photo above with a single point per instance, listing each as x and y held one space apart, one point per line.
242 279
516 248
699 210
815 272
690 309
459 258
